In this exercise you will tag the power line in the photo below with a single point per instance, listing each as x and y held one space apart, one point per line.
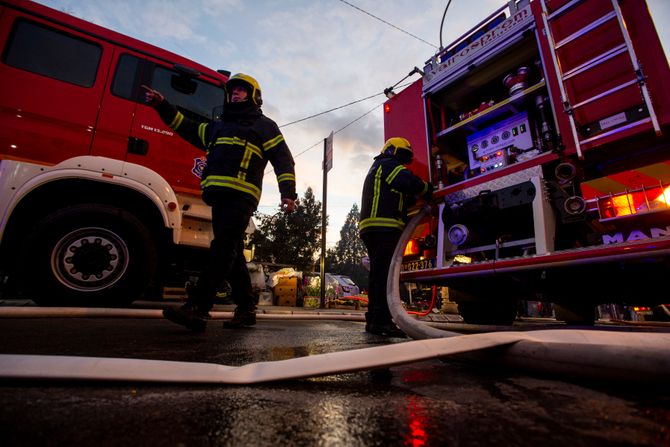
330 110
389 24
334 132
342 128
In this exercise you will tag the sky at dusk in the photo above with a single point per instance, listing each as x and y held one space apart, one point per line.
309 56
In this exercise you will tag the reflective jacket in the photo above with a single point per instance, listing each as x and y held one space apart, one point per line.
388 188
238 149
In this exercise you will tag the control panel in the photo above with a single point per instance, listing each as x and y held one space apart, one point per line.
489 148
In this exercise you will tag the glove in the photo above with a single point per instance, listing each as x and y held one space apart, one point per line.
152 97
429 192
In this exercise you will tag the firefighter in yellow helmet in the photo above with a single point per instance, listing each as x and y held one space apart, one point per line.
389 189
238 148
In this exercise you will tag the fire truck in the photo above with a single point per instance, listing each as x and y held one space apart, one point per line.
545 130
99 200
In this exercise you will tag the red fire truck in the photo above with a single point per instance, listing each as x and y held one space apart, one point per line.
99 200
545 129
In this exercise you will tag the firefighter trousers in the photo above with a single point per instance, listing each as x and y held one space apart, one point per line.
380 246
226 255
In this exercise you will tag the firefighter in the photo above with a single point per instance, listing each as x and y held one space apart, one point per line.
389 189
238 148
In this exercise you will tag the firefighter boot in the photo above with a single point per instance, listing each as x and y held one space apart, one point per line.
385 329
243 316
190 315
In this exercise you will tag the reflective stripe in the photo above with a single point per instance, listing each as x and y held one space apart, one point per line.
249 150
383 222
201 133
394 173
231 141
273 142
176 121
232 182
376 191
288 177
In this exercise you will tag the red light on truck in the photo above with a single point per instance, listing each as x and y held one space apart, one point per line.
664 196
387 108
412 248
634 202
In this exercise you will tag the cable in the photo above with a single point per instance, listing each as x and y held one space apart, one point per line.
330 110
337 131
389 24
341 128
442 23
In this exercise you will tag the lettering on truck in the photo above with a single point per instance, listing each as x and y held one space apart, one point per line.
636 235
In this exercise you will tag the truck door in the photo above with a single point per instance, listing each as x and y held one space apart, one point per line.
149 142
52 80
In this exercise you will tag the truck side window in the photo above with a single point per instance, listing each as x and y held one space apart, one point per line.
202 103
126 78
51 53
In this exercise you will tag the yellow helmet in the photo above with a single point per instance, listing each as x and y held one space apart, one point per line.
248 82
394 145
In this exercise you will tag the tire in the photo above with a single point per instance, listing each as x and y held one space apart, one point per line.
89 255
488 312
583 314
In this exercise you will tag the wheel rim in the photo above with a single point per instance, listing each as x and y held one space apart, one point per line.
89 259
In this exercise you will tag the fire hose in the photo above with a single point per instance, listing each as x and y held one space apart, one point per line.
575 353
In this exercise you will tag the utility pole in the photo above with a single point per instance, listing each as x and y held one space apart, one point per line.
327 165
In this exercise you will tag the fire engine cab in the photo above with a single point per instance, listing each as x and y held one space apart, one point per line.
99 200
545 131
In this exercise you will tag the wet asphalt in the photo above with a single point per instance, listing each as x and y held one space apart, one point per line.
442 402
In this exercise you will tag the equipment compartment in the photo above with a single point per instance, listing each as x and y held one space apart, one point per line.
494 114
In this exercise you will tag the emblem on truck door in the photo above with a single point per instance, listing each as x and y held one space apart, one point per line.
199 164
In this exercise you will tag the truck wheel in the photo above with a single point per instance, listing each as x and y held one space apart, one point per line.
576 314
92 255
487 312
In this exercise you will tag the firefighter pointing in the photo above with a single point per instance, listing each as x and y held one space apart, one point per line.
389 189
238 148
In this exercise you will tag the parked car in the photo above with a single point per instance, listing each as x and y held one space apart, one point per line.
343 285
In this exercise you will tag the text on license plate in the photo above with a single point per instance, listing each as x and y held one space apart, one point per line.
420 264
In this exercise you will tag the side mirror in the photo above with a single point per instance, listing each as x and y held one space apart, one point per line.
183 84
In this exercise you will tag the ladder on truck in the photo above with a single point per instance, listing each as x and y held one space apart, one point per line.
565 75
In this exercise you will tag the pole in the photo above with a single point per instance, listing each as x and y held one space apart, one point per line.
323 225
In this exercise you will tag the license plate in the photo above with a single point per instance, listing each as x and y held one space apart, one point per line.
420 264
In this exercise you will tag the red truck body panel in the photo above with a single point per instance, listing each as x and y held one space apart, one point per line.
546 130
46 120
101 194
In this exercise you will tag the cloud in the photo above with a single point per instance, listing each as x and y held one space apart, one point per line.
308 56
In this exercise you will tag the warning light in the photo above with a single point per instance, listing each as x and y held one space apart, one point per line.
462 259
412 248
629 203
387 108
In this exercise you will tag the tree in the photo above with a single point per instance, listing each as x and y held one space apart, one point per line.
292 239
345 258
